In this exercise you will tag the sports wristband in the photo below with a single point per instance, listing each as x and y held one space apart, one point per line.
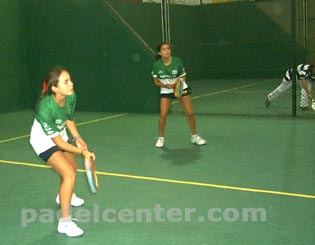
76 137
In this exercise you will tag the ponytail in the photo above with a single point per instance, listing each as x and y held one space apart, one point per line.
51 79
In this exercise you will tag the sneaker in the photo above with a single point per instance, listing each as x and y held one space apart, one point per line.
68 227
196 139
160 142
75 201
267 102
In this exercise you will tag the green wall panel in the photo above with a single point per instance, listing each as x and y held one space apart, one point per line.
111 67
14 86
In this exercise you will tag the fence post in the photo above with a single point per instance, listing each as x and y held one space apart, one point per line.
293 54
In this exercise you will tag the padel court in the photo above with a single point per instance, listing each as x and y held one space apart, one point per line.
253 183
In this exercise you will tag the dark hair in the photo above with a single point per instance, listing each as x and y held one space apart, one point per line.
51 79
158 49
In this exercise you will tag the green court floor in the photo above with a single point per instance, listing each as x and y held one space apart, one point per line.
253 183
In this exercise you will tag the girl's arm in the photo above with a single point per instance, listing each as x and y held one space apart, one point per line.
157 83
75 134
183 78
71 148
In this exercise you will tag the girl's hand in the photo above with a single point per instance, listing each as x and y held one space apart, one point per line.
88 154
80 143
169 86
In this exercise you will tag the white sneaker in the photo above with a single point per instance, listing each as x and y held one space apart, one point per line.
75 201
160 142
196 139
68 227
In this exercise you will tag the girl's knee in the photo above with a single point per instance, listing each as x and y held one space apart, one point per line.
190 114
163 115
70 174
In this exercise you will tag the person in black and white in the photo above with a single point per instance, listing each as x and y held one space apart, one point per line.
305 77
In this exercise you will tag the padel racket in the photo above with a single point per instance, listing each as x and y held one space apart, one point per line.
89 166
178 88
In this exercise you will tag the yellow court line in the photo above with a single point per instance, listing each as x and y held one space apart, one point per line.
226 90
101 119
78 124
183 182
15 138
208 185
35 165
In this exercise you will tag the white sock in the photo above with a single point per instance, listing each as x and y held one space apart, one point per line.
67 219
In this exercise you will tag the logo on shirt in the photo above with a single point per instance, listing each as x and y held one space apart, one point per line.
62 126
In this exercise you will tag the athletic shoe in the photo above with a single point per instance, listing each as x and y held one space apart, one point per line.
68 227
75 201
160 142
267 102
196 139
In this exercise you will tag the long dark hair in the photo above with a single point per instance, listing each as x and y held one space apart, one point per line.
158 49
51 79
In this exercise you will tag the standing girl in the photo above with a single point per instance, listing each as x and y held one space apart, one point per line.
49 139
166 70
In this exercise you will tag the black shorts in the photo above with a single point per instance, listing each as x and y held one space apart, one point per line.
47 154
187 91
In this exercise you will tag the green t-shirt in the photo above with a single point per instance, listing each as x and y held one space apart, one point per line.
53 117
171 72
168 74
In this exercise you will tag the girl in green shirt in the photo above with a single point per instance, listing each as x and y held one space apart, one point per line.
166 70
49 139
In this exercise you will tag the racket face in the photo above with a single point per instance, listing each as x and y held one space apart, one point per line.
178 89
91 174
